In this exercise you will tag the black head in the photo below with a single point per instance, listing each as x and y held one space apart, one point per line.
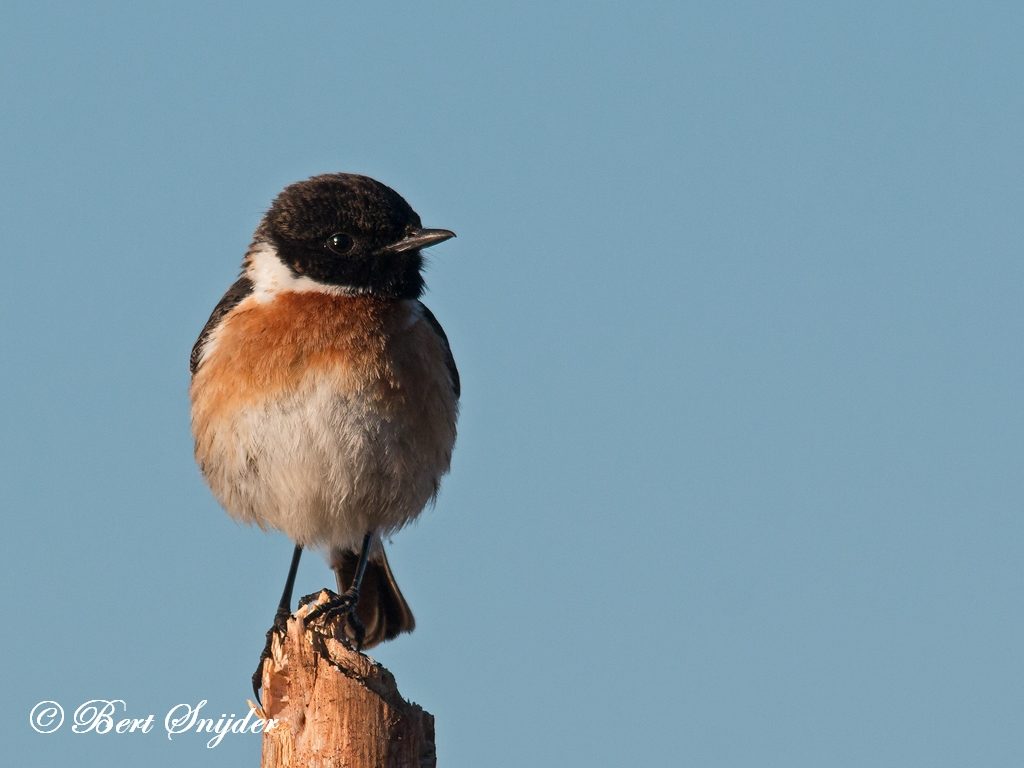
346 230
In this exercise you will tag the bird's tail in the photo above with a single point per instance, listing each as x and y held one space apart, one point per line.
382 608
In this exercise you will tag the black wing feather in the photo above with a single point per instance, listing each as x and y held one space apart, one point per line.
450 360
237 292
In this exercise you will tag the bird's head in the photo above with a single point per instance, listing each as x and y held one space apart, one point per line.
351 233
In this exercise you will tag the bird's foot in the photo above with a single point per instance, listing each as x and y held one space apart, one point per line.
280 626
343 605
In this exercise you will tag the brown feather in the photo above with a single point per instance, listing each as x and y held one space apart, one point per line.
382 608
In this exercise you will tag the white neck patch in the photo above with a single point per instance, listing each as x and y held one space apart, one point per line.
271 276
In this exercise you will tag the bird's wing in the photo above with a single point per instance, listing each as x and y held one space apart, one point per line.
237 292
450 359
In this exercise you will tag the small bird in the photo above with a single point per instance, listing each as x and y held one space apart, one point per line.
324 392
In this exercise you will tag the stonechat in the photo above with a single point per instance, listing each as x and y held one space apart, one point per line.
324 392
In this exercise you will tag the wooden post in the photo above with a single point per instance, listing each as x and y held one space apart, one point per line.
336 707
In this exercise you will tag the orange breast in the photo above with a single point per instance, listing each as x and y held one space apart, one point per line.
266 348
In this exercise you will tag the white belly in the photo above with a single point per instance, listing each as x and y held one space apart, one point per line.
325 468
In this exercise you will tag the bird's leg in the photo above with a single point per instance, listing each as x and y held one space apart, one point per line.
284 610
346 602
353 620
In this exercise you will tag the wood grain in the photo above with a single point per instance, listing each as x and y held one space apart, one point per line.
336 707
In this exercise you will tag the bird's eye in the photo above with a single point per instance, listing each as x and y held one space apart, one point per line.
340 243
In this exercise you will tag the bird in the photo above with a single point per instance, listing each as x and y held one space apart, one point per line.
324 393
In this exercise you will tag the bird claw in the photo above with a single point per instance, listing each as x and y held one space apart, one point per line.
280 626
338 605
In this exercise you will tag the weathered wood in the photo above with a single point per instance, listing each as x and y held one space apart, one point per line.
336 707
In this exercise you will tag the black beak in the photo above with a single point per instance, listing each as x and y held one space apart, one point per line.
420 238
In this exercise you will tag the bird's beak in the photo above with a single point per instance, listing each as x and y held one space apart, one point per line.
420 238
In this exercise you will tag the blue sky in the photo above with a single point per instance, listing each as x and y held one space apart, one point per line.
736 301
